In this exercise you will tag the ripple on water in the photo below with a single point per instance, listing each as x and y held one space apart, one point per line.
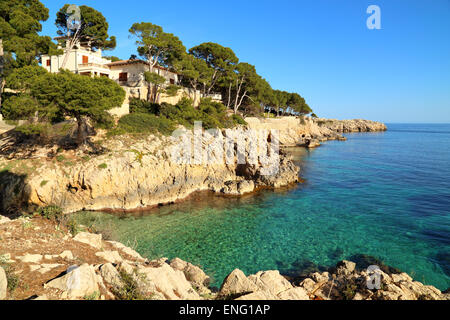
386 195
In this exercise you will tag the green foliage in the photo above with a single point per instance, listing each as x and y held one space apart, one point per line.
103 166
50 212
60 158
23 78
93 296
155 45
44 183
237 119
154 78
131 288
12 278
20 107
20 23
142 106
172 90
145 123
94 27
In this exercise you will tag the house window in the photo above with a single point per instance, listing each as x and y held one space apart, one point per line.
123 76
49 63
85 59
172 81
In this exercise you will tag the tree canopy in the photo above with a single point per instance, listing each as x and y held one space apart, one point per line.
92 28
55 96
157 48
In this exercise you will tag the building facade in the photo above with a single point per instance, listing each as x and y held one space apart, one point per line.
129 74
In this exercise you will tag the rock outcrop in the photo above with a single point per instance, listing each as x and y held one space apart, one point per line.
309 132
141 174
132 277
3 284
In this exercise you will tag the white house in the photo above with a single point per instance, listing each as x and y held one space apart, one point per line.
82 59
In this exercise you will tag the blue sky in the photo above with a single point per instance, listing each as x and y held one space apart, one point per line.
320 49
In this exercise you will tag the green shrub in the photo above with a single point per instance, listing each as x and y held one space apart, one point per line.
145 123
60 158
142 106
130 288
103 166
12 278
50 212
34 129
237 119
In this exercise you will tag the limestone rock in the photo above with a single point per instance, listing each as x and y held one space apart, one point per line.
110 256
4 219
110 275
172 284
258 295
30 258
270 281
237 283
3 284
297 293
78 282
94 240
67 254
345 267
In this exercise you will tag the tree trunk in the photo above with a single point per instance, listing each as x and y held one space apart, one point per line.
2 81
82 130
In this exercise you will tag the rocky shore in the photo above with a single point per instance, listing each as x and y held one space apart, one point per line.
132 173
41 260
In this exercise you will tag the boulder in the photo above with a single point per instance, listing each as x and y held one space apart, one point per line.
236 283
94 240
193 273
67 254
297 293
110 256
170 283
110 275
78 282
3 284
258 295
30 258
4 219
196 275
270 281
345 267
178 264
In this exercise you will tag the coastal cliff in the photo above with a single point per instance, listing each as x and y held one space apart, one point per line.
41 259
133 174
137 173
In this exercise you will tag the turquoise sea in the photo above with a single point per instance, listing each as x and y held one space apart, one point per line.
386 195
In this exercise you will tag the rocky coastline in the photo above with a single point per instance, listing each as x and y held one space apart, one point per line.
137 174
41 259
44 259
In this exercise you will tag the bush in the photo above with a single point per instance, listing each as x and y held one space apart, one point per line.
12 278
142 106
237 119
130 289
50 212
145 123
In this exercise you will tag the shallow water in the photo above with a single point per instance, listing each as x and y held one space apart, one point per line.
382 194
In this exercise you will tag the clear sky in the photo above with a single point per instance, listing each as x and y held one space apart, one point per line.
321 49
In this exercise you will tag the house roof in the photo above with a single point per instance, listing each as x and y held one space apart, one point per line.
135 61
124 62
